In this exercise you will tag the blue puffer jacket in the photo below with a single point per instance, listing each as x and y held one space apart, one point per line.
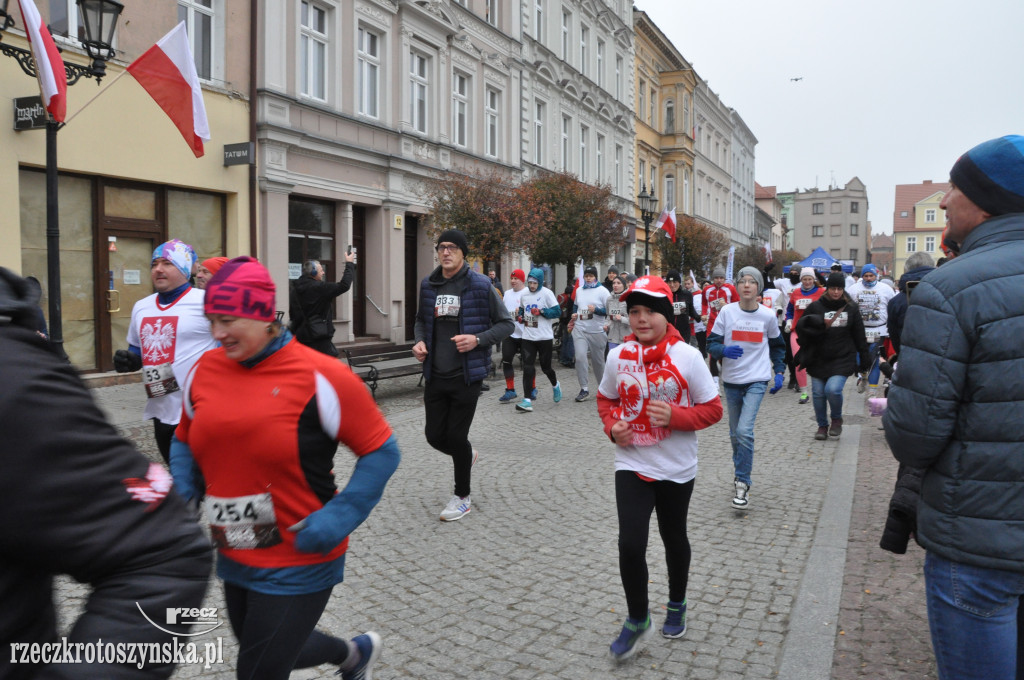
957 400
475 291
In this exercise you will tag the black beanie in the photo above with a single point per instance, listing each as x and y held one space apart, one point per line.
835 280
672 275
992 175
454 236
660 305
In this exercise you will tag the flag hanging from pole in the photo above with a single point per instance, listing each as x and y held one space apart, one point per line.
667 221
768 252
53 80
167 71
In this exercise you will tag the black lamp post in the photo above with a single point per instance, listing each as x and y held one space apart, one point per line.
100 18
648 205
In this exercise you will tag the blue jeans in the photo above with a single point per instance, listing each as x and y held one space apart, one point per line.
830 391
744 402
875 371
973 614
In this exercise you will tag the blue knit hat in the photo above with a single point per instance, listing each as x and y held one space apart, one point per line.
992 175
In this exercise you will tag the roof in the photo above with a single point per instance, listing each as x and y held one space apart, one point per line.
763 192
907 196
882 241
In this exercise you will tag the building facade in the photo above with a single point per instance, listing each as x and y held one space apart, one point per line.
743 227
713 136
127 179
769 211
917 221
834 219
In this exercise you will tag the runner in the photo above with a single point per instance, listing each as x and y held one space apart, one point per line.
799 299
656 392
872 297
588 335
716 296
537 307
512 345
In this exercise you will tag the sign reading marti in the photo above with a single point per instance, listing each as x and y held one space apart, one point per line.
29 113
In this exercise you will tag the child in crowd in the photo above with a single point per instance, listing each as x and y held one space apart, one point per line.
655 393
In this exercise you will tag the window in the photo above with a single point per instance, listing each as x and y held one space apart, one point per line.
492 101
654 177
566 132
669 197
600 63
618 77
311 233
642 173
460 109
584 56
492 12
584 135
836 230
566 31
836 207
818 209
198 16
853 254
617 179
368 67
539 111
854 206
538 19
929 215
818 230
670 117
600 157
834 252
904 213
911 244
313 79
929 244
854 229
418 91
642 108
653 108
686 191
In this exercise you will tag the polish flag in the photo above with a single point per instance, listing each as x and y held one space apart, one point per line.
667 221
768 251
53 80
168 72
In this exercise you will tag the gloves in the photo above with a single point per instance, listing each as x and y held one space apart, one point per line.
789 325
535 311
126 361
733 352
778 384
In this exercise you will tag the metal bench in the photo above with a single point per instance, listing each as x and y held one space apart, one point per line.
374 363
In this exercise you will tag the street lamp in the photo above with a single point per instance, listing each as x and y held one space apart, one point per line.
100 17
648 206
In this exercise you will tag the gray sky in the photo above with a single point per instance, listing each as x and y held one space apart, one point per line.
893 91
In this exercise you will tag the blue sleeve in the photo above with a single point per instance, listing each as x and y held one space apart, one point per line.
789 311
551 312
183 470
600 310
716 345
135 350
777 353
575 308
323 530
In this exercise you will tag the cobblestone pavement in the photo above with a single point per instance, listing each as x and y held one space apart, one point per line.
527 585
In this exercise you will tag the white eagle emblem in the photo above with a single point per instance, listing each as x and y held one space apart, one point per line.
157 342
664 390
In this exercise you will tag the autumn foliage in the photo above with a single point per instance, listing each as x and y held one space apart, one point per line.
698 247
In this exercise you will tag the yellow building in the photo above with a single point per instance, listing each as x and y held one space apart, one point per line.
918 222
127 179
664 83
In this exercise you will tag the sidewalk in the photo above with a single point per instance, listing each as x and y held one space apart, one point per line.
527 585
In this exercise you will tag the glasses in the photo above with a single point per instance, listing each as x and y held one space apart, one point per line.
447 248
748 281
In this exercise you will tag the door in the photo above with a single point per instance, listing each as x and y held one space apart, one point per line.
358 290
125 262
412 282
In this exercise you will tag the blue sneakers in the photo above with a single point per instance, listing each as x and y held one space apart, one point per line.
558 392
675 620
524 405
533 393
369 645
632 633
507 397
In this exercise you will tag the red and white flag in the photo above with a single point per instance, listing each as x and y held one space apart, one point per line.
667 221
767 251
53 80
168 73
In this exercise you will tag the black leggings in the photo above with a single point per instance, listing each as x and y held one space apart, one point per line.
450 405
276 633
531 350
162 433
636 500
702 342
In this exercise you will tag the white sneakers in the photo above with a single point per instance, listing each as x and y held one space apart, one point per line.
457 508
740 500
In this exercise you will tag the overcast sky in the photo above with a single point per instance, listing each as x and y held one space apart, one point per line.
893 91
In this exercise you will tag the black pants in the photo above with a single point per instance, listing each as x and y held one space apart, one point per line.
531 350
702 342
162 433
324 346
276 633
509 347
789 359
635 500
714 367
450 405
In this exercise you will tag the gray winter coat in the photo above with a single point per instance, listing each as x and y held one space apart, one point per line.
957 400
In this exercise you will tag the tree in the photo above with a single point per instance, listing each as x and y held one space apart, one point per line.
581 222
498 216
754 256
698 247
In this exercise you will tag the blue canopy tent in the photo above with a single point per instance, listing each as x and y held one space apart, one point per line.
819 260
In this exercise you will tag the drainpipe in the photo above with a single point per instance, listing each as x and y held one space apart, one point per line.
253 193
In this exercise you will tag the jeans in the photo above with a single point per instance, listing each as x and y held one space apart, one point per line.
744 402
830 391
973 613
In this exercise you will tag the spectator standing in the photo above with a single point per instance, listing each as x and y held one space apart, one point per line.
588 336
311 304
567 353
656 392
460 317
918 265
493 276
954 408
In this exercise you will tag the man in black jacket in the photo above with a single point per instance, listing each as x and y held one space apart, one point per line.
77 499
311 304
918 264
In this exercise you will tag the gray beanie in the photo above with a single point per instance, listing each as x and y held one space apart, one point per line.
718 271
752 271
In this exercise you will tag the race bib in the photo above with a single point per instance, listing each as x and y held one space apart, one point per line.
718 304
447 306
802 303
872 336
159 380
243 522
584 314
678 308
838 321
530 321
